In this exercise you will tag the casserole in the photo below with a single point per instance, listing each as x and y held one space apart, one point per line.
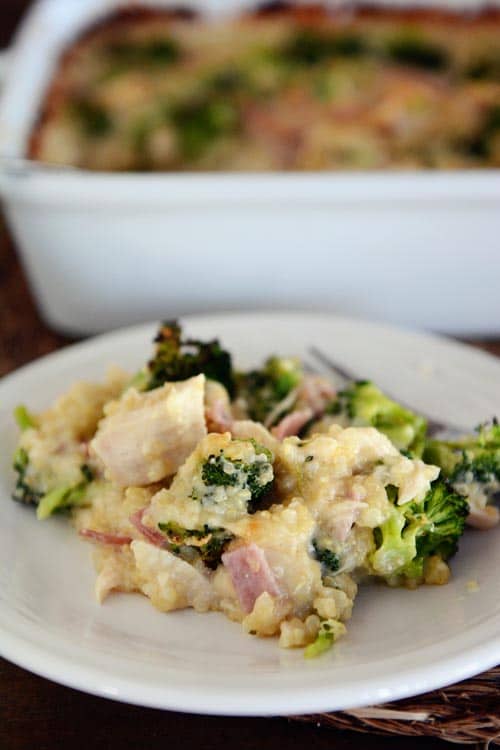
130 653
105 249
284 88
198 491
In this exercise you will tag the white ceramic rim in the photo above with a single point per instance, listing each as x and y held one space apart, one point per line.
104 190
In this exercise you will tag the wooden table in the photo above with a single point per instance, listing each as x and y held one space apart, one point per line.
40 715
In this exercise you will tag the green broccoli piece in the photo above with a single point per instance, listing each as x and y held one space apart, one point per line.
227 81
322 644
262 390
480 144
236 478
363 404
91 117
24 490
486 68
200 122
307 48
418 530
179 359
206 544
471 464
217 472
139 381
330 561
48 502
417 52
152 52
329 631
24 419
63 498
211 552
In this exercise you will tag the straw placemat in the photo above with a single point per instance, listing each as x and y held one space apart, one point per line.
467 713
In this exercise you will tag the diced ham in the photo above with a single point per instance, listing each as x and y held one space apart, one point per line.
218 417
250 574
282 407
292 423
483 518
310 400
104 538
278 127
152 535
316 392
218 413
149 435
346 113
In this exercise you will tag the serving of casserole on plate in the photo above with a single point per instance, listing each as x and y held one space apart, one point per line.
283 88
262 492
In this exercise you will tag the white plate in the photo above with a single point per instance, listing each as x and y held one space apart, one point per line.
399 642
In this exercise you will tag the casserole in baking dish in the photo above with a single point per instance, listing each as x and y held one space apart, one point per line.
283 88
104 249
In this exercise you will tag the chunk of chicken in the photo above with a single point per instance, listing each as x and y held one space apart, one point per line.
170 583
145 437
246 429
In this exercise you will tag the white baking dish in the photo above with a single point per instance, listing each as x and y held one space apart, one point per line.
103 250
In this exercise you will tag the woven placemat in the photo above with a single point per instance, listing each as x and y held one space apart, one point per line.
467 713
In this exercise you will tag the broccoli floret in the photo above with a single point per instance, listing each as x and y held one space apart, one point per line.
471 464
198 123
419 53
227 479
484 469
63 498
91 117
24 419
32 488
307 48
218 473
24 491
481 144
418 530
328 633
139 381
363 404
48 502
179 359
330 561
206 544
158 52
211 552
227 81
485 68
262 390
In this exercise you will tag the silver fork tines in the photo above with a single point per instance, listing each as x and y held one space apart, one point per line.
340 372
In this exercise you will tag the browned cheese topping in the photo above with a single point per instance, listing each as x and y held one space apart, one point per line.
285 89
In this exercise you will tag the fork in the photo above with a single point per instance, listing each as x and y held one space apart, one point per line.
434 426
